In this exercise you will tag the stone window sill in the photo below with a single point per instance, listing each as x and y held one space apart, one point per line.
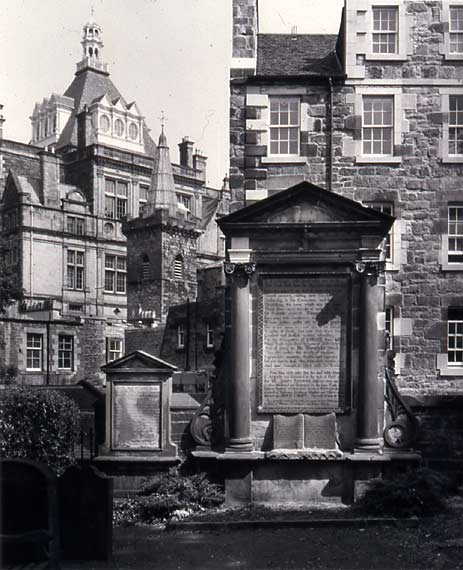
283 159
378 159
451 371
451 266
454 56
452 159
386 57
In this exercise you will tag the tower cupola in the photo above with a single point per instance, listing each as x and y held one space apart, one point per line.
92 47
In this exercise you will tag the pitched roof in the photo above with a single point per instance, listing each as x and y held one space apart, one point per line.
297 54
87 87
162 188
209 209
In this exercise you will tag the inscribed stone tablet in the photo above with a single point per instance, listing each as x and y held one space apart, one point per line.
320 432
303 332
136 417
288 432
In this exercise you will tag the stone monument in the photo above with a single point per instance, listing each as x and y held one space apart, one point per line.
138 425
304 405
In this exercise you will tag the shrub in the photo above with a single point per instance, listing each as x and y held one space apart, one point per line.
126 512
414 493
168 493
8 375
38 424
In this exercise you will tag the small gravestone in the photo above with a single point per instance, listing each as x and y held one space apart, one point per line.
138 424
302 431
320 432
288 432
86 509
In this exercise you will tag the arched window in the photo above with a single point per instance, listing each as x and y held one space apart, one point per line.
119 127
145 267
90 51
104 123
178 267
96 52
133 131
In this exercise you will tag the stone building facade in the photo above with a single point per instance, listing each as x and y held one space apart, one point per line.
89 166
376 115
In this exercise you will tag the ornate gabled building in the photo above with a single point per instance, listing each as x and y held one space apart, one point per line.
88 167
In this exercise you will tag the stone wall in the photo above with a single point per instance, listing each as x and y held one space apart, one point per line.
419 181
244 28
158 241
89 348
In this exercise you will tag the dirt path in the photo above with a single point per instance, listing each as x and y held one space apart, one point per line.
427 544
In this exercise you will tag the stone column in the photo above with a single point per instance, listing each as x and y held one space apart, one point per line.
368 439
239 392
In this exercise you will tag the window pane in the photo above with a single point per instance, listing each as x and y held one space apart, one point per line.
34 351
110 203
122 189
110 186
109 281
120 282
284 112
378 111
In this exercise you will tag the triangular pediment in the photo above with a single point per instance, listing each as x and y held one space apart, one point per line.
133 108
119 104
304 203
139 359
104 100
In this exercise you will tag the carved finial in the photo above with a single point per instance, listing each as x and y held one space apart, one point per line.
163 120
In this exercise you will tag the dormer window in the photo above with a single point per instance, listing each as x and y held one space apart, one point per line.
133 131
104 123
119 127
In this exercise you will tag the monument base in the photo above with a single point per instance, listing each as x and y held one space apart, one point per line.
263 478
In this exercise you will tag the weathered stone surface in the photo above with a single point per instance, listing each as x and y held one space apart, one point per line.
303 344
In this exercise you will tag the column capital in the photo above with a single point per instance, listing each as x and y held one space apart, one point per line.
239 269
369 268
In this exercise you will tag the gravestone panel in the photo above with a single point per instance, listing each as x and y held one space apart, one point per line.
320 432
137 417
303 336
288 432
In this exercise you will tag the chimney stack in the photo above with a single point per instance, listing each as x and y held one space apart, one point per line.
199 163
186 152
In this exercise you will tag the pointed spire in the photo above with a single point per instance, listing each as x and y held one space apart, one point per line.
161 194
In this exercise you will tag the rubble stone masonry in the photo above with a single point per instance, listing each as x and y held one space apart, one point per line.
419 181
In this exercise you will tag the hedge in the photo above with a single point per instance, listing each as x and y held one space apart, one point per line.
38 424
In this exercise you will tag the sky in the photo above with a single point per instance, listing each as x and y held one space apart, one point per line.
170 56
